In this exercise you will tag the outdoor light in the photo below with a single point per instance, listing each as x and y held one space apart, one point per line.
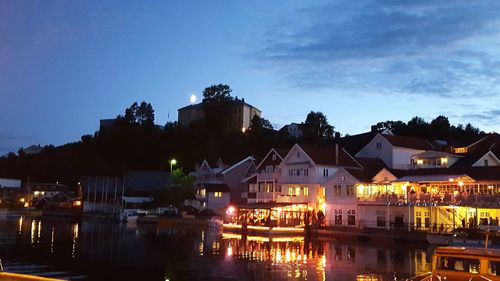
461 183
172 163
230 210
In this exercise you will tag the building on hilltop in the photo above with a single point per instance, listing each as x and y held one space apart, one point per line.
241 114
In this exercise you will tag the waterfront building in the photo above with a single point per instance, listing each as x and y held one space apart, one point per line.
306 168
217 185
395 151
263 186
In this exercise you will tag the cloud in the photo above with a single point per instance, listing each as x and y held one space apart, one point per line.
485 117
438 48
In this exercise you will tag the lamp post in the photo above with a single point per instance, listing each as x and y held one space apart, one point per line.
172 163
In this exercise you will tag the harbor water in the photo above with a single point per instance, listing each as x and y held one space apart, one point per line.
96 250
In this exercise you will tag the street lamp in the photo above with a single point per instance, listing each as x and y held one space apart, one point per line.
172 163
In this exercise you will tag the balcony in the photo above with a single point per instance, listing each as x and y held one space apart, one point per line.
443 199
262 197
267 177
293 199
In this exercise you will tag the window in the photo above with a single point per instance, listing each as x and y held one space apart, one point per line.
338 216
458 264
306 172
343 178
486 162
379 145
291 191
381 222
298 155
351 217
350 191
269 169
325 173
494 268
217 194
337 190
273 157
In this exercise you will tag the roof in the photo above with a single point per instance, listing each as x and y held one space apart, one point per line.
129 199
326 155
234 102
269 205
215 187
353 144
249 158
371 167
409 142
278 151
430 178
479 149
491 173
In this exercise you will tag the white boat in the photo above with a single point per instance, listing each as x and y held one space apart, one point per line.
463 264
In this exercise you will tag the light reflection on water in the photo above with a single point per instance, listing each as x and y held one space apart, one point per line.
112 251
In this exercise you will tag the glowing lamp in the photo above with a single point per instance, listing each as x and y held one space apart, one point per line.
230 210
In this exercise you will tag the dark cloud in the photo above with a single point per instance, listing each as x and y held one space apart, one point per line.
486 117
444 48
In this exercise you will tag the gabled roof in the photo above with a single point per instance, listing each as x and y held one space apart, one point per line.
409 142
479 149
278 152
371 167
249 158
353 144
215 187
326 155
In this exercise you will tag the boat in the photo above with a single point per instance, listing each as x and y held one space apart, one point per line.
7 276
463 264
467 237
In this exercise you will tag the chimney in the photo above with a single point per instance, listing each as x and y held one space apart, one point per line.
374 128
243 100
336 154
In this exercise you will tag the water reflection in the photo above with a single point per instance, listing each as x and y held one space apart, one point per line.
112 251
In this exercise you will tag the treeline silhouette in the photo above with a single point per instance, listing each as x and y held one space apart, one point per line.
133 142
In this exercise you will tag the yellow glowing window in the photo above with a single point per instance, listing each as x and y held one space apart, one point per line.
217 194
306 191
461 150
420 161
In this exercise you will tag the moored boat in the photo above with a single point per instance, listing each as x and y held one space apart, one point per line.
463 263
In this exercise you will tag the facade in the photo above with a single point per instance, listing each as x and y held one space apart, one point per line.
241 114
214 196
395 151
263 186
217 185
292 130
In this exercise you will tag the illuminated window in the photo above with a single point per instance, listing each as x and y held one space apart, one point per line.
217 194
306 191
337 190
350 190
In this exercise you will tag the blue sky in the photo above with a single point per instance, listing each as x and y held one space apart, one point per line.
66 64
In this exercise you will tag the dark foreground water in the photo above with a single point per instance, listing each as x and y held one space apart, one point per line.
89 250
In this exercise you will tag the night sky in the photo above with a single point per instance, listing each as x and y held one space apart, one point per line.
66 64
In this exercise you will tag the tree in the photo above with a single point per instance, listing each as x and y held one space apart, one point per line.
142 115
259 125
217 94
440 127
179 189
316 127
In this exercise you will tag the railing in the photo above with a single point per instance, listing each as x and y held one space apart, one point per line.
270 177
478 200
292 199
